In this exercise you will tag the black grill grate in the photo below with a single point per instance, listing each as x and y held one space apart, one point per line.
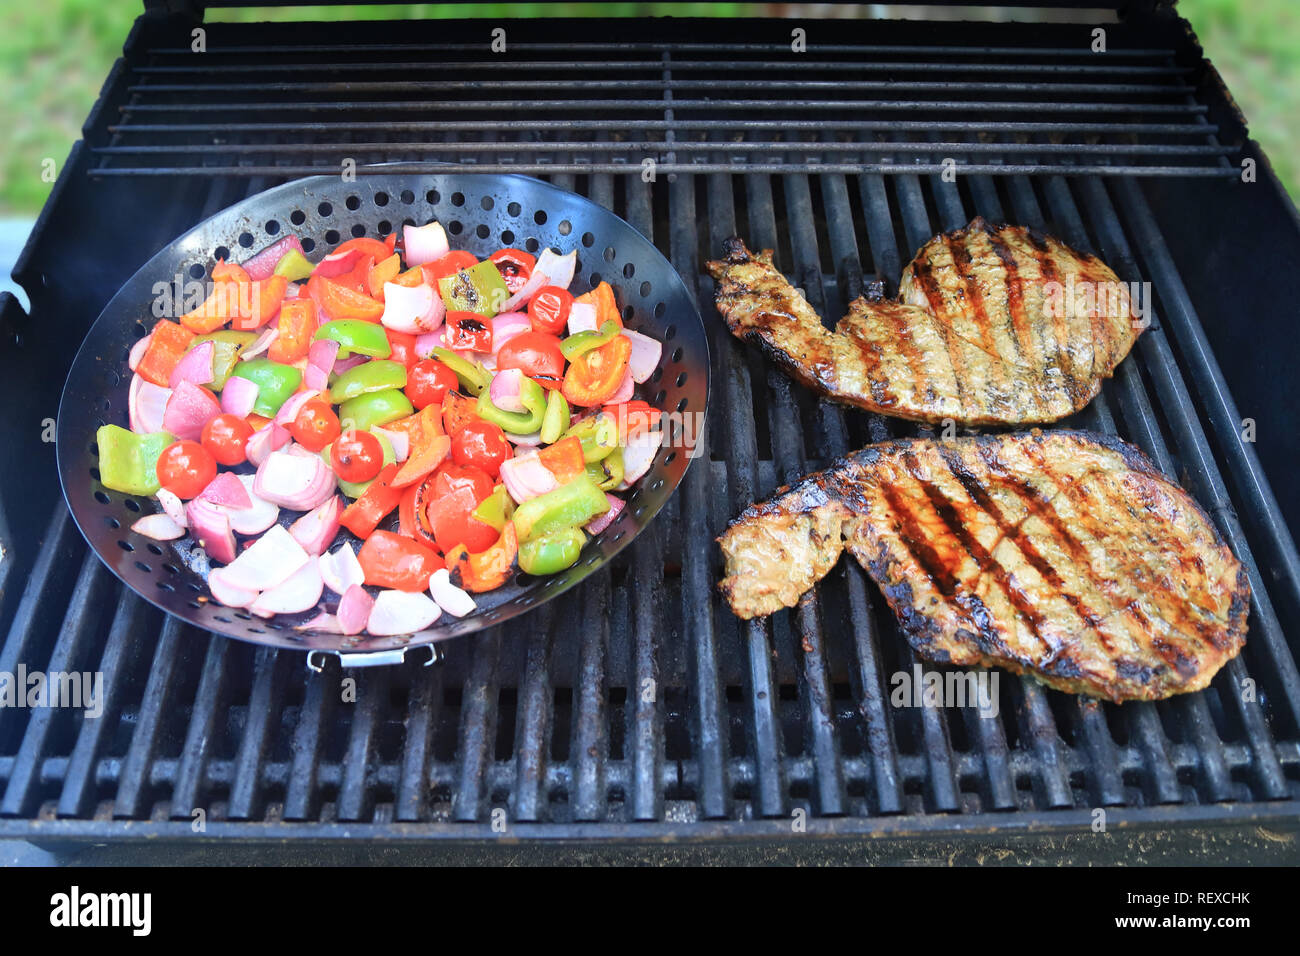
640 705
584 105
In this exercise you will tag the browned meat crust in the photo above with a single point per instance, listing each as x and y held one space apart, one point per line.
993 325
1066 556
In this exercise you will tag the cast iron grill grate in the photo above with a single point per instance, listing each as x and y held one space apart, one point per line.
639 701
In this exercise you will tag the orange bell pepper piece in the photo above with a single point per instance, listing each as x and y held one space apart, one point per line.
457 412
297 326
488 569
259 302
381 272
339 302
166 347
420 428
422 460
410 278
602 297
564 459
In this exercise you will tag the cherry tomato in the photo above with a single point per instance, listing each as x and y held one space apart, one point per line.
481 444
548 310
428 381
468 330
357 456
451 476
224 437
515 266
453 522
536 354
451 262
315 425
388 560
185 468
403 347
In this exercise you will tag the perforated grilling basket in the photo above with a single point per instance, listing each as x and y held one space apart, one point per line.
481 213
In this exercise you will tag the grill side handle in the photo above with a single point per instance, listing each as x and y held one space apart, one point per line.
318 660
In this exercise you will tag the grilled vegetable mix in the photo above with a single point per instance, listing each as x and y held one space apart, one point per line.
465 419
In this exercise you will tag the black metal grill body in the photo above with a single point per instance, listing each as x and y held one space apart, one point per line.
639 709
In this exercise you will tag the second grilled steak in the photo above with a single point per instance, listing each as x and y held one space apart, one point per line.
1065 555
993 325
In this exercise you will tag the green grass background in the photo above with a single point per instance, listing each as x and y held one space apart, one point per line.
54 54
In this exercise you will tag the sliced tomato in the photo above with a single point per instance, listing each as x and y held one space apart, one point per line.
536 354
454 524
389 560
340 302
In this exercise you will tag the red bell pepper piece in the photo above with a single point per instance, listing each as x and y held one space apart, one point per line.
468 330
457 410
362 517
488 569
391 561
423 460
259 303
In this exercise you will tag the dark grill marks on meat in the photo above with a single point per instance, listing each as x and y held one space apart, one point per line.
984 331
1066 556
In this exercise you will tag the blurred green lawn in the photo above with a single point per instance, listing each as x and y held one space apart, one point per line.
55 54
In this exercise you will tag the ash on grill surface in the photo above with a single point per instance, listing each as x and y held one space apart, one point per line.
637 705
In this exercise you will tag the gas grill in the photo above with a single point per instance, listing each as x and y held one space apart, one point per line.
637 710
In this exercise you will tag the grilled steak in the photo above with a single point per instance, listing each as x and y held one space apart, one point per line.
1065 555
993 325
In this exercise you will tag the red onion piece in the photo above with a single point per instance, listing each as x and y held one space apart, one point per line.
426 243
262 264
599 523
401 441
296 482
316 530
223 592
504 390
257 517
506 326
260 344
401 612
227 490
450 598
531 440
324 622
293 404
625 390
172 506
337 263
299 592
137 352
270 437
645 356
411 309
559 268
159 527
352 361
426 343
210 527
638 454
341 569
322 354
582 318
269 561
535 281
146 405
354 609
188 410
526 477
239 396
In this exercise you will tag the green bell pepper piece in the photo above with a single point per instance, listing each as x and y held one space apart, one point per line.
369 376
227 346
579 342
293 265
556 419
496 508
356 337
598 434
129 462
375 408
479 288
533 397
552 553
607 472
568 506
473 376
355 489
275 383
